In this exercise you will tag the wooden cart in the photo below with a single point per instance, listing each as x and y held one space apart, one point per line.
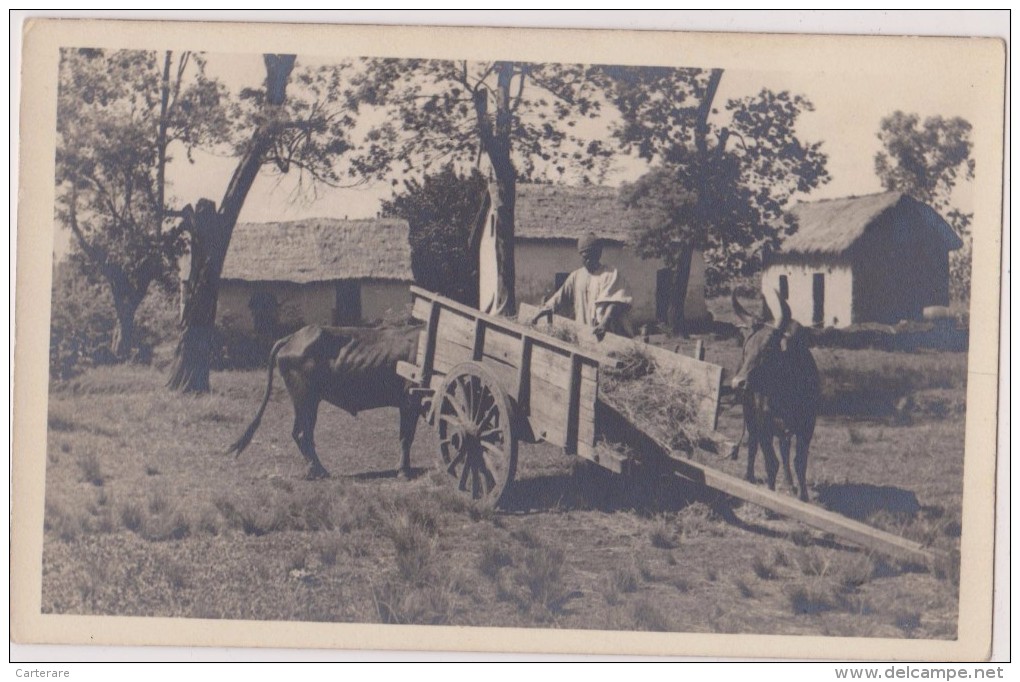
489 383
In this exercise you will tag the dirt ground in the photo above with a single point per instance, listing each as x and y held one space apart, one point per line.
146 517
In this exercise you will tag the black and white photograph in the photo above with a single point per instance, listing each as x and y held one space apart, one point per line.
509 340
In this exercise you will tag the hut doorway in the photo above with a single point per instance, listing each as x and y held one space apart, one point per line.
348 303
818 299
265 313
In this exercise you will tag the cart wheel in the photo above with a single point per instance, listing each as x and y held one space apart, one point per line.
477 444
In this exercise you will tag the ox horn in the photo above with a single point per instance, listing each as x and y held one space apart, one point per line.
777 302
747 317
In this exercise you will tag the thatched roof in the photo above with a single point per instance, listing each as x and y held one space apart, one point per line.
830 227
319 249
560 212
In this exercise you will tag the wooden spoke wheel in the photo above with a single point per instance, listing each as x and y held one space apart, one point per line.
477 444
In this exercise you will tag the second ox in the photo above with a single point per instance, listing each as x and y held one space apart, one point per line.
353 368
779 388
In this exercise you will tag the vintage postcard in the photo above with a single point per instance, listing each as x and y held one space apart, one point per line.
507 340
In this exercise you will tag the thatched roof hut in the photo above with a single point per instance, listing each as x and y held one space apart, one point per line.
875 258
281 275
320 249
558 212
833 227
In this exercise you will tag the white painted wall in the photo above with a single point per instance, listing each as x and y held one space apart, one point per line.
838 309
312 303
538 261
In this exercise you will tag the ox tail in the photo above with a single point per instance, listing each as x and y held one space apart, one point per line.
241 443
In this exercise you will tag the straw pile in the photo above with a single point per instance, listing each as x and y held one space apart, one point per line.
660 403
557 330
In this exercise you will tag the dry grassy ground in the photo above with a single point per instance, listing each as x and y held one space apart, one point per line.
145 516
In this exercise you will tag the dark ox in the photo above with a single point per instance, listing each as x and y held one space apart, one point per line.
353 368
779 388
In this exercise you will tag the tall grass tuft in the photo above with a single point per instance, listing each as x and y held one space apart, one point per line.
91 468
647 616
663 534
624 580
494 557
413 531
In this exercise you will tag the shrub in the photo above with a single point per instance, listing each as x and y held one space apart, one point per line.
82 323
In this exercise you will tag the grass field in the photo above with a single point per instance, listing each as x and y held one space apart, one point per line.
146 517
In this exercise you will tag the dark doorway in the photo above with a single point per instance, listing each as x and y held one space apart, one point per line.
348 303
265 310
818 297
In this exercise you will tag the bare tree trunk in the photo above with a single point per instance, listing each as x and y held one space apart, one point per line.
506 186
210 237
124 332
496 143
681 275
209 240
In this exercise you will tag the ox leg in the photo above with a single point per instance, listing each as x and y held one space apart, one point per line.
784 453
305 416
771 461
752 453
410 408
800 464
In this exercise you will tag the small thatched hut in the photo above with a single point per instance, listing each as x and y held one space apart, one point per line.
321 270
875 258
549 219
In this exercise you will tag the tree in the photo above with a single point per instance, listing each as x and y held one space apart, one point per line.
119 114
441 210
523 118
926 163
306 132
719 184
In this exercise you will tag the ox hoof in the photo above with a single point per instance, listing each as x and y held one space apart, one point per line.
316 474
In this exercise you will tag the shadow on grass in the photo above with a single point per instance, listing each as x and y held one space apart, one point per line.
589 487
384 474
861 500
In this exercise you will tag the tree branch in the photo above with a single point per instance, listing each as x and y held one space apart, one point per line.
96 254
520 91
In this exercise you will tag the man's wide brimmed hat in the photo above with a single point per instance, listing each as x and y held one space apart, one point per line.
588 241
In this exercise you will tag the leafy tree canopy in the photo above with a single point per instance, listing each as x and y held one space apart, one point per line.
441 210
120 117
926 160
721 180
439 112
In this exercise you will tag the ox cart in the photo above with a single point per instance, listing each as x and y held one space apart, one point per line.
488 383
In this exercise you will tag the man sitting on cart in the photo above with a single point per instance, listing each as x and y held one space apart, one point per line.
598 293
